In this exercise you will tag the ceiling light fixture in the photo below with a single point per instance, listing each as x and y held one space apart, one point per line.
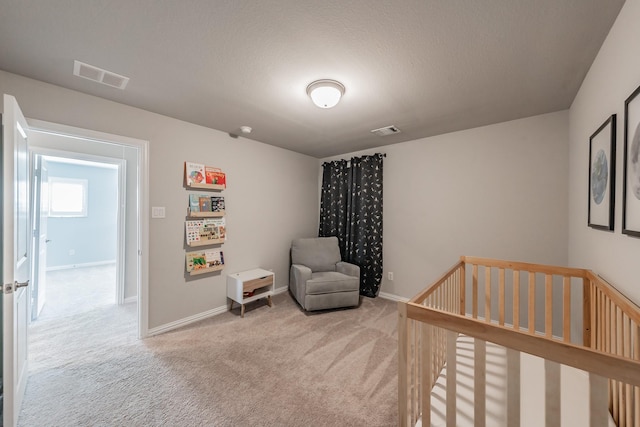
325 93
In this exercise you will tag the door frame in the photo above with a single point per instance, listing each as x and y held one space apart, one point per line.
121 218
142 198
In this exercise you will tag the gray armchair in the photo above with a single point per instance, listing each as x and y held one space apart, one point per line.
319 279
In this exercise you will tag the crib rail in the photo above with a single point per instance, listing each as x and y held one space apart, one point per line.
525 308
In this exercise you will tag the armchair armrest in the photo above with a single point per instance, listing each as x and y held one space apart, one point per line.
298 276
348 269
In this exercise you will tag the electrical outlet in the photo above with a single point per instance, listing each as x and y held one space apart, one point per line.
390 276
72 251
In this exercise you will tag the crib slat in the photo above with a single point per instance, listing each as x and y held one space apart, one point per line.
636 356
552 394
479 382
531 303
548 302
403 358
589 308
451 378
628 398
474 285
501 297
487 294
516 299
598 407
566 308
427 377
462 289
513 388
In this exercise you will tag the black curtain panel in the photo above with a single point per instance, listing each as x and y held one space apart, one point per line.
351 209
333 201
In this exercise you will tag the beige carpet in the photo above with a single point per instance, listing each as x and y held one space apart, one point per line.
276 367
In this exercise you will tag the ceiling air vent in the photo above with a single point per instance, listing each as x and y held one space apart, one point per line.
387 130
99 75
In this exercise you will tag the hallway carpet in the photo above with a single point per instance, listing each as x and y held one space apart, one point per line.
278 366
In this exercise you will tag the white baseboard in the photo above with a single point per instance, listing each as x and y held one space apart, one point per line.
187 320
131 299
280 290
195 318
392 297
86 264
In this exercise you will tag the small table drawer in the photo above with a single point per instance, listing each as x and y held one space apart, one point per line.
251 285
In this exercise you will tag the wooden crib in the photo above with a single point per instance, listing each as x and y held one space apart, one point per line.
570 318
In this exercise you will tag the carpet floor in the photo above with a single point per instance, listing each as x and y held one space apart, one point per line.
276 366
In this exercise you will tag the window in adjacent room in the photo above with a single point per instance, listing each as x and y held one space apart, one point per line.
68 197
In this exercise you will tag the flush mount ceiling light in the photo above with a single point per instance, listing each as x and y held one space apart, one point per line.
325 93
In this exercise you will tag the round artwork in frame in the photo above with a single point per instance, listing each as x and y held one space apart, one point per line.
634 162
599 176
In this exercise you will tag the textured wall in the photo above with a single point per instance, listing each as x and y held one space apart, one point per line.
272 194
497 191
614 75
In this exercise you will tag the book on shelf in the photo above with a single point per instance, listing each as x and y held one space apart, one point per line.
194 173
193 231
194 202
220 225
200 260
215 176
196 261
205 229
217 204
204 203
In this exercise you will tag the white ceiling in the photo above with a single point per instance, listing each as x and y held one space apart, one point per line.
427 66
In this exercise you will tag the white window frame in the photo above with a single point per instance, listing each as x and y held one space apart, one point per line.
85 201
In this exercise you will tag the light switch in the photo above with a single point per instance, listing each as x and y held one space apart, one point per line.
157 212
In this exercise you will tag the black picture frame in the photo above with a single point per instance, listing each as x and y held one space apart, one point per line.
631 175
602 176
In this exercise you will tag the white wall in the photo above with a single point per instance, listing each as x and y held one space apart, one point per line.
497 191
271 197
613 76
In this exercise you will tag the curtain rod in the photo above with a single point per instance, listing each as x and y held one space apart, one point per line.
349 160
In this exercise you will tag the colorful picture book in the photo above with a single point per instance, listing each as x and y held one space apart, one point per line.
204 259
197 173
205 203
215 176
205 229
194 173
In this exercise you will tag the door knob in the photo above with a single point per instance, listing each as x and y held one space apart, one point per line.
47 240
20 284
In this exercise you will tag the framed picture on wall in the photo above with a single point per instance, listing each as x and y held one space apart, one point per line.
602 175
631 176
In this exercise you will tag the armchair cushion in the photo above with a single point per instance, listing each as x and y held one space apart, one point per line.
325 282
348 269
319 254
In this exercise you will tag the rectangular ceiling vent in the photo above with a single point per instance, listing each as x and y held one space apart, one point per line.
99 75
387 130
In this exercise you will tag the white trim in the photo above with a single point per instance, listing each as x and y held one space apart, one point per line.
198 317
86 264
187 321
280 290
142 147
130 299
392 297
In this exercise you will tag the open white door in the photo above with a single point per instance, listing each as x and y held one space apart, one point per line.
15 258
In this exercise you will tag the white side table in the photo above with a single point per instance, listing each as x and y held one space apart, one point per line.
250 285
